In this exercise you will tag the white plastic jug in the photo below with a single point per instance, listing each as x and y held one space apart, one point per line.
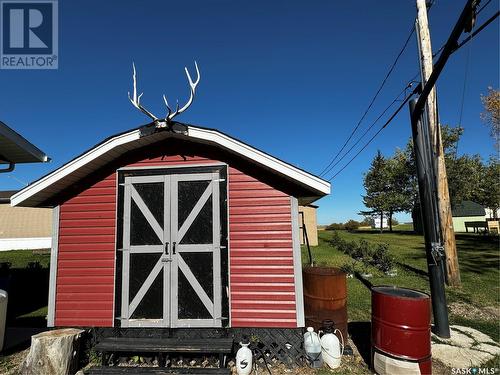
312 346
331 348
244 360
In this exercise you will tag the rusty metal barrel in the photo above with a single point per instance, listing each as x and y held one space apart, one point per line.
325 297
401 331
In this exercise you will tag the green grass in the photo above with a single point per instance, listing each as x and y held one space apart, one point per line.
479 267
21 258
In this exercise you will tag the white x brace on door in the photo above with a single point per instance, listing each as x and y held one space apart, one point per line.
171 268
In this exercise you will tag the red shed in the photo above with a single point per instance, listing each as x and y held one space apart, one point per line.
185 227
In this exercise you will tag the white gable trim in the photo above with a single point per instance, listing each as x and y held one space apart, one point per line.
261 158
195 133
72 166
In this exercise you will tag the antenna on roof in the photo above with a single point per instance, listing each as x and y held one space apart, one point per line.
161 123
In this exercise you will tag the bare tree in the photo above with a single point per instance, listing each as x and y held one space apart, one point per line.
491 114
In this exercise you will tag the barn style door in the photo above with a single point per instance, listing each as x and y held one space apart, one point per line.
171 251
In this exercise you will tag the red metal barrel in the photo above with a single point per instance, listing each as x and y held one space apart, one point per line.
325 297
401 325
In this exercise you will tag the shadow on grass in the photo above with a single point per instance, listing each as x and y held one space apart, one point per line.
415 270
478 253
360 333
386 231
364 281
28 290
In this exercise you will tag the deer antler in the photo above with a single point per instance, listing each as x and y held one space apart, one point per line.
171 114
136 99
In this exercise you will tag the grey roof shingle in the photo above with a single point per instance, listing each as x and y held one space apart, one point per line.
467 208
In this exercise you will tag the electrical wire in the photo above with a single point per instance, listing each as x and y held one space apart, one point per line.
460 45
473 33
329 167
391 69
376 134
464 87
484 6
479 29
368 129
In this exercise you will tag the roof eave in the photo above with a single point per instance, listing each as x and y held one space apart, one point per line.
316 185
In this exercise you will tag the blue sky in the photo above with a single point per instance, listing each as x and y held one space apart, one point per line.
289 77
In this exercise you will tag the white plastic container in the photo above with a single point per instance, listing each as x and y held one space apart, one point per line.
4 299
331 348
312 346
244 360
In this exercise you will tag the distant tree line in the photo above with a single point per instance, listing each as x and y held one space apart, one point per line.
352 225
391 183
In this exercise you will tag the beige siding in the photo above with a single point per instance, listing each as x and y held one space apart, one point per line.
25 222
459 222
311 225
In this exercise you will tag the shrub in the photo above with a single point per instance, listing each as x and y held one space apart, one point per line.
349 268
365 249
345 247
376 255
382 259
336 239
368 221
335 226
355 250
352 225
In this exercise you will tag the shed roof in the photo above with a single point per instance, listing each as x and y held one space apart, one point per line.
467 208
14 148
115 146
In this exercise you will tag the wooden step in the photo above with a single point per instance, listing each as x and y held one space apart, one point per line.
165 345
117 370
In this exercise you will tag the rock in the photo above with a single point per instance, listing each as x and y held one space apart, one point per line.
457 339
465 348
478 336
492 349
454 356
53 353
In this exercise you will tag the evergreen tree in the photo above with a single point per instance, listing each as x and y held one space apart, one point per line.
376 186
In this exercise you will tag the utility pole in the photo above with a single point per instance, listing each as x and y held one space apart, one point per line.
422 148
432 120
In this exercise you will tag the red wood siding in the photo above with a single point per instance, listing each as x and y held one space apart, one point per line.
86 258
261 255
260 241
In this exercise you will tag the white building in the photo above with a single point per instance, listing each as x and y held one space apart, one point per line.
376 222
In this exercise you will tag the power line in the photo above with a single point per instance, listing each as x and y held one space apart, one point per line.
372 101
377 133
368 129
484 6
460 45
328 167
478 30
464 87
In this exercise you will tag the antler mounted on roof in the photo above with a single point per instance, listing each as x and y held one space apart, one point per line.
136 99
